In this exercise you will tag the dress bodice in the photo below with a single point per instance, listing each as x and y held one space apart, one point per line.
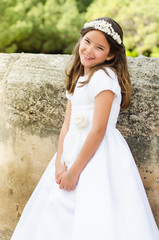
82 101
83 97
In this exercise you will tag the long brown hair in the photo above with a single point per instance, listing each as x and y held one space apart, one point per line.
118 64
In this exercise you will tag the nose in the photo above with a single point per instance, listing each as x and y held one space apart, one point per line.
90 49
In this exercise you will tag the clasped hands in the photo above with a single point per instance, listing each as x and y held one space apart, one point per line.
66 179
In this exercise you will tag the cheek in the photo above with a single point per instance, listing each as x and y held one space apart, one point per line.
105 54
101 56
81 48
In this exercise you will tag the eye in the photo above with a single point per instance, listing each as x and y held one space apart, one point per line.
86 40
100 48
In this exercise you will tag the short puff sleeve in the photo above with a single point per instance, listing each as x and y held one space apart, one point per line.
101 81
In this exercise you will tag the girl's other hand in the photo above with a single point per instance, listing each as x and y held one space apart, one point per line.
68 181
60 169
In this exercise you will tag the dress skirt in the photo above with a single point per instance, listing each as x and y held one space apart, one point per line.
109 201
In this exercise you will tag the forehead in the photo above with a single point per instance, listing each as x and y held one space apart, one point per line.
97 37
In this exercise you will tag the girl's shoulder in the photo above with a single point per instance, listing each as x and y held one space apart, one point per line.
104 79
106 73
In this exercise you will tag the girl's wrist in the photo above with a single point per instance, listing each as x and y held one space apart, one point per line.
74 171
57 162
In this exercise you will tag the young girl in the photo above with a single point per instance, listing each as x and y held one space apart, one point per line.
92 189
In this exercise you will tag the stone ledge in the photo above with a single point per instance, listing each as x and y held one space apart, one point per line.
32 104
34 93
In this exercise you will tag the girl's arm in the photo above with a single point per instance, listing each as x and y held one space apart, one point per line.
59 168
103 103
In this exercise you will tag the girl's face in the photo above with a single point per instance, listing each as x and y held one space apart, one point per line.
94 49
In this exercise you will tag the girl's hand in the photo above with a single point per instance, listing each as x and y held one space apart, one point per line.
68 181
60 169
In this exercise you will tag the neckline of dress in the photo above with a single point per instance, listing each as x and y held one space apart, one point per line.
83 78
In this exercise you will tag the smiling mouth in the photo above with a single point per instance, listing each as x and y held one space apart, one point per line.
87 57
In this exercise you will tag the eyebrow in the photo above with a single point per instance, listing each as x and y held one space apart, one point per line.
99 45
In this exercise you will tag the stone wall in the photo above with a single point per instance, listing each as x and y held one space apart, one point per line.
32 104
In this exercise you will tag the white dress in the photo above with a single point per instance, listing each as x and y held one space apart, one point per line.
109 201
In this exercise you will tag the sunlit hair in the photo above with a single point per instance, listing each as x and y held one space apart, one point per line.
118 64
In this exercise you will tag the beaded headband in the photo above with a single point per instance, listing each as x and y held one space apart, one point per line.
104 26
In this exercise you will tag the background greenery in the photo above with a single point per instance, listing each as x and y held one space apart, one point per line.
52 26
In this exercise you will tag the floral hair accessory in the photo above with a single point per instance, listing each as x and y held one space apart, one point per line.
104 26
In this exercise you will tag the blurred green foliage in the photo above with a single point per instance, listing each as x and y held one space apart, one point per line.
82 5
48 26
52 26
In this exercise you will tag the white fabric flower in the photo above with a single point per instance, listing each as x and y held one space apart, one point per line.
81 120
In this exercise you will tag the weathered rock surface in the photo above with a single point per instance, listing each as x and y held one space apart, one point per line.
32 104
